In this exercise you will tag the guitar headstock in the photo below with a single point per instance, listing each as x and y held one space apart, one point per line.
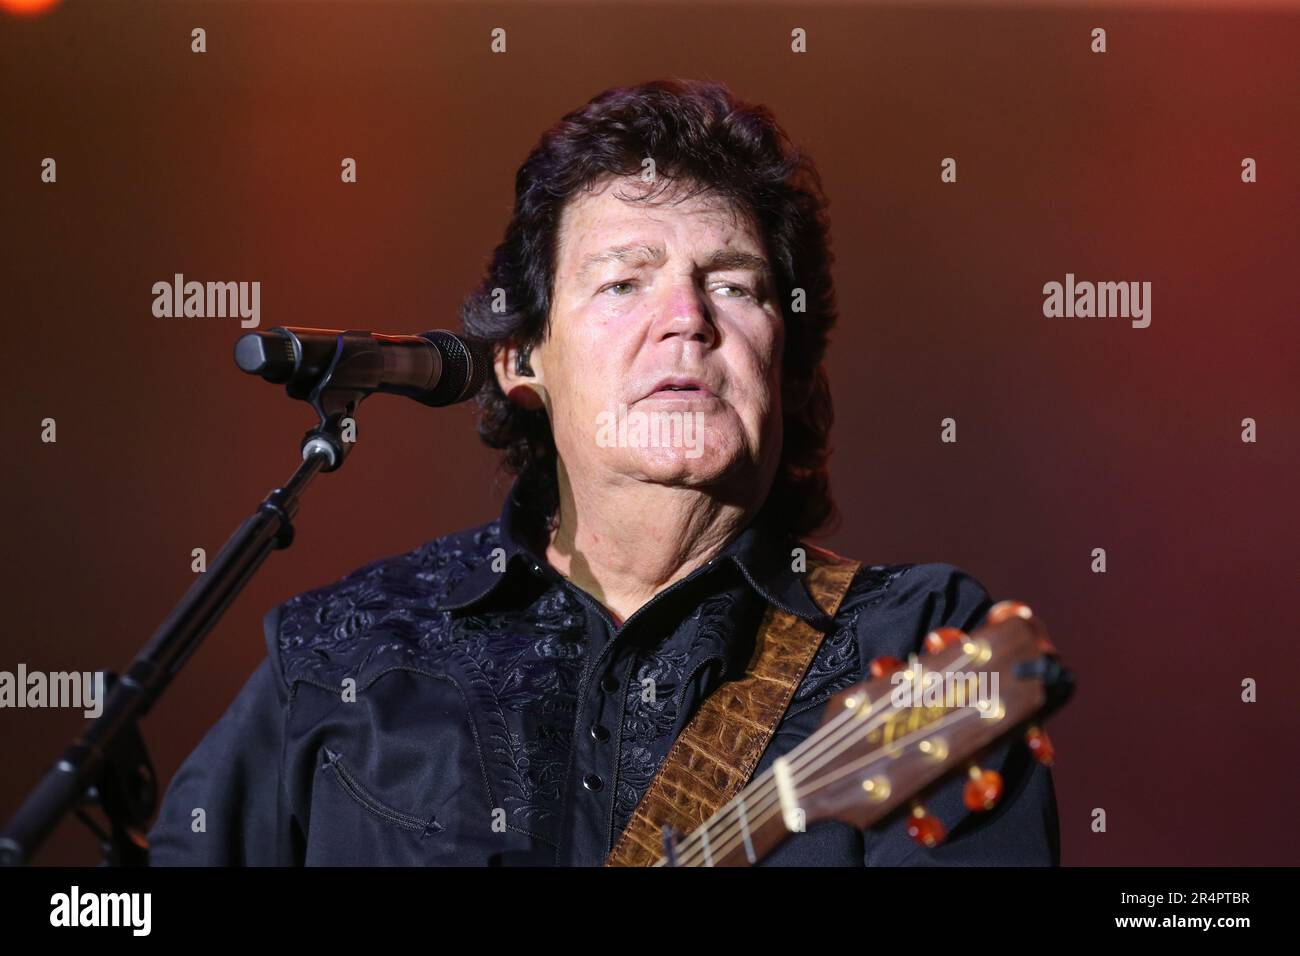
885 740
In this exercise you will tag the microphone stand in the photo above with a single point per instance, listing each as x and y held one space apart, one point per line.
107 764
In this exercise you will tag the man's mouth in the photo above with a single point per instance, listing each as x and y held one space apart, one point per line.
684 389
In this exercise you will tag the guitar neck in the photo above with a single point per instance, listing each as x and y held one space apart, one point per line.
741 833
774 805
878 748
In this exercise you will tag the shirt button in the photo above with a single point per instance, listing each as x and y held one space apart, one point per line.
600 732
609 683
592 782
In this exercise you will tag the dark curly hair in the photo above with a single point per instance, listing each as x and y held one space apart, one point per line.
700 136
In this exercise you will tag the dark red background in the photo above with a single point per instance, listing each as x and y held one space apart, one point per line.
1074 433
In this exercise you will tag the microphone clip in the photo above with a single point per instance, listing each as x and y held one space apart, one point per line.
336 407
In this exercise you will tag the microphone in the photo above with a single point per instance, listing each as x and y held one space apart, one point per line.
435 368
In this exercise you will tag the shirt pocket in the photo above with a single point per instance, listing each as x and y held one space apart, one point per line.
390 778
335 764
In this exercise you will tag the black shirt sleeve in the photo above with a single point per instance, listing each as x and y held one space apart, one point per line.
226 805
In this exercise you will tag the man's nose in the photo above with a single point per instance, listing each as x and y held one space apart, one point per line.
686 314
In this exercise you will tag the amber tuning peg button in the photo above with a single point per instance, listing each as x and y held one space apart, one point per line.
983 789
943 637
1040 745
885 664
924 828
1008 609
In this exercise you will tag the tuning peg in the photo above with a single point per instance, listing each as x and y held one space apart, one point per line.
983 789
885 664
943 637
1040 745
1008 609
924 828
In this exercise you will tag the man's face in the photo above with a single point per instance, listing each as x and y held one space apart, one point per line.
663 317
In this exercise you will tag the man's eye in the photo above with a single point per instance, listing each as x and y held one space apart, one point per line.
739 288
615 285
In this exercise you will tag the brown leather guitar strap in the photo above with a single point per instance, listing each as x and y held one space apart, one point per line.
713 758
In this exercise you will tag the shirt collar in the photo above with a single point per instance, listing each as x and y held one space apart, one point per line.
764 557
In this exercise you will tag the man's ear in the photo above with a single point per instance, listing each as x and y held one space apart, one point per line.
521 388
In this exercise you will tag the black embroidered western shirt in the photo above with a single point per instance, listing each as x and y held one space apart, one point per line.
464 704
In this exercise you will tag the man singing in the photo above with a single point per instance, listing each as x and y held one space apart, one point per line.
659 311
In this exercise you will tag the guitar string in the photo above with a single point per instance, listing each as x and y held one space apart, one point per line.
762 792
732 843
728 847
763 795
848 768
759 796
799 760
764 786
